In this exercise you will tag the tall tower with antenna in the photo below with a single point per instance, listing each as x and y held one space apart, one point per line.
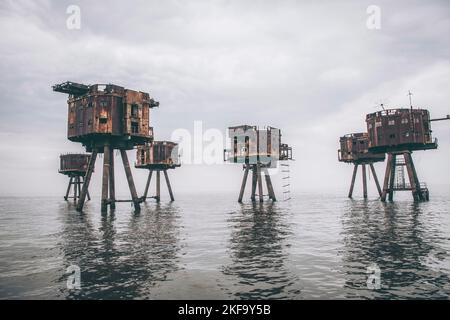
399 132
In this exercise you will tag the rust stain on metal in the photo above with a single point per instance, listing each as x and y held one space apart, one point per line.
74 164
98 112
158 154
400 129
104 118
354 148
251 145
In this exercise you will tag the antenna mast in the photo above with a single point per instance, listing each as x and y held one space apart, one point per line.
410 99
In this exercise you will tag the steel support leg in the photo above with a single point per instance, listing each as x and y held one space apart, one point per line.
352 184
87 180
244 182
130 180
372 168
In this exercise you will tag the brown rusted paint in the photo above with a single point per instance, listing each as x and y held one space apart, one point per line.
399 129
97 113
252 145
74 164
158 154
355 149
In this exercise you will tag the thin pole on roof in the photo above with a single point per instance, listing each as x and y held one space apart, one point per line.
410 99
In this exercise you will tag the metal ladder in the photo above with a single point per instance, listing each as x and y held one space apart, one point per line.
285 170
400 178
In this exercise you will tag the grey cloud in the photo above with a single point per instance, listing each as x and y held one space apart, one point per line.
314 70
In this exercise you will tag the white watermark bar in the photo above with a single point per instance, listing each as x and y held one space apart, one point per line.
74 278
374 278
373 21
212 146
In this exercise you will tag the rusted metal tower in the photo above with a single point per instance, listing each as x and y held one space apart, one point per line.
157 156
74 166
354 150
399 132
104 118
257 149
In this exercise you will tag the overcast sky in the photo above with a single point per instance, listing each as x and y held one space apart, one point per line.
312 70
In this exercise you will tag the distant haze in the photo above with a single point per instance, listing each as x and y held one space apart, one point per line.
312 69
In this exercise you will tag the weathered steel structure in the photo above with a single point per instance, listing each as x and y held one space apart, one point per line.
257 149
104 118
355 150
158 156
74 166
399 132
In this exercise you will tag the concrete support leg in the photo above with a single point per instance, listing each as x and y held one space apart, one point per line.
79 186
87 180
149 179
68 189
392 177
416 178
244 182
364 174
260 185
386 178
105 180
269 185
75 191
169 187
372 168
87 194
130 180
254 182
413 179
158 186
352 184
112 184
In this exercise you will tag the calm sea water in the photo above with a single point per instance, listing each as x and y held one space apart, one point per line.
314 246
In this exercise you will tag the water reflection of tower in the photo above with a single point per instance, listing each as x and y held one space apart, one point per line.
122 260
258 253
394 238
